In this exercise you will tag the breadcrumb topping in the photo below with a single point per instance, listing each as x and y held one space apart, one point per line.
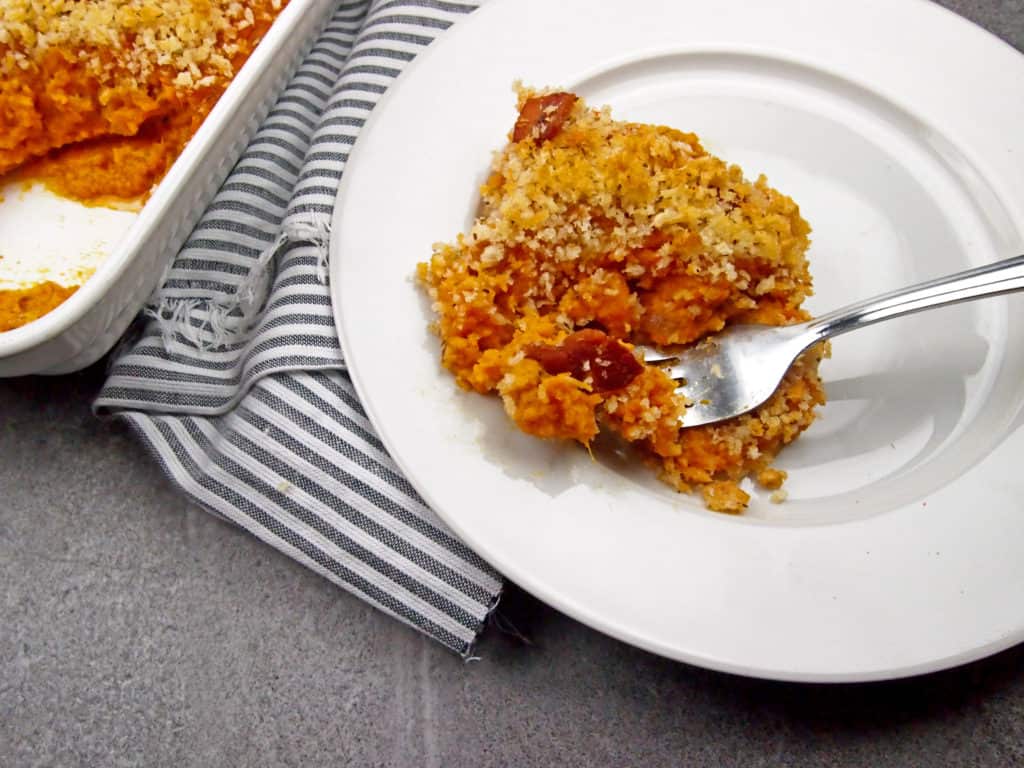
192 37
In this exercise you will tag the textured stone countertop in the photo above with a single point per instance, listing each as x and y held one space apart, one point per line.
136 629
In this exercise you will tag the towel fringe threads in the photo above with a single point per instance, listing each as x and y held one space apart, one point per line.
216 322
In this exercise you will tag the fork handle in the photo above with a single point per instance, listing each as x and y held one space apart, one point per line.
1004 276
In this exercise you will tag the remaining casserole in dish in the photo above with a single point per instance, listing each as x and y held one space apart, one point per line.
99 100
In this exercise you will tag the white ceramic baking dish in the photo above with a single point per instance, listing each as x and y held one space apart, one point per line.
85 327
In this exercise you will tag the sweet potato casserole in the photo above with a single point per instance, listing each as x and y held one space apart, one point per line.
98 97
596 235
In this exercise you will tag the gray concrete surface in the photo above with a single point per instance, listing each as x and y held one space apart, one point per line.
136 630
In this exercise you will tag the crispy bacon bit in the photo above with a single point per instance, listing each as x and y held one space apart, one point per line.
655 240
542 117
589 355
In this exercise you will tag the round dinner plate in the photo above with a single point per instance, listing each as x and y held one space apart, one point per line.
897 128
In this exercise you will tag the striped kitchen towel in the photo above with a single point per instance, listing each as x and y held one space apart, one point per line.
237 383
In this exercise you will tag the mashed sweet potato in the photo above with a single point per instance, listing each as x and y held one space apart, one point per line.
19 306
595 236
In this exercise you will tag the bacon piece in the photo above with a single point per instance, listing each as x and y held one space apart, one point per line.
542 117
589 355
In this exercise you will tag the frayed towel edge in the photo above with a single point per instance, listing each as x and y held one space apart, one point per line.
212 323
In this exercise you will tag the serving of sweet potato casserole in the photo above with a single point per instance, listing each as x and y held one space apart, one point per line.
595 236
98 97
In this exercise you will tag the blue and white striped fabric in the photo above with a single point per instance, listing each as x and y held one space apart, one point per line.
237 383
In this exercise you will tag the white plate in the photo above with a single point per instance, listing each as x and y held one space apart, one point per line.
896 126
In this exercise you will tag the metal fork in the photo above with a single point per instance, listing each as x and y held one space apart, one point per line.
738 369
